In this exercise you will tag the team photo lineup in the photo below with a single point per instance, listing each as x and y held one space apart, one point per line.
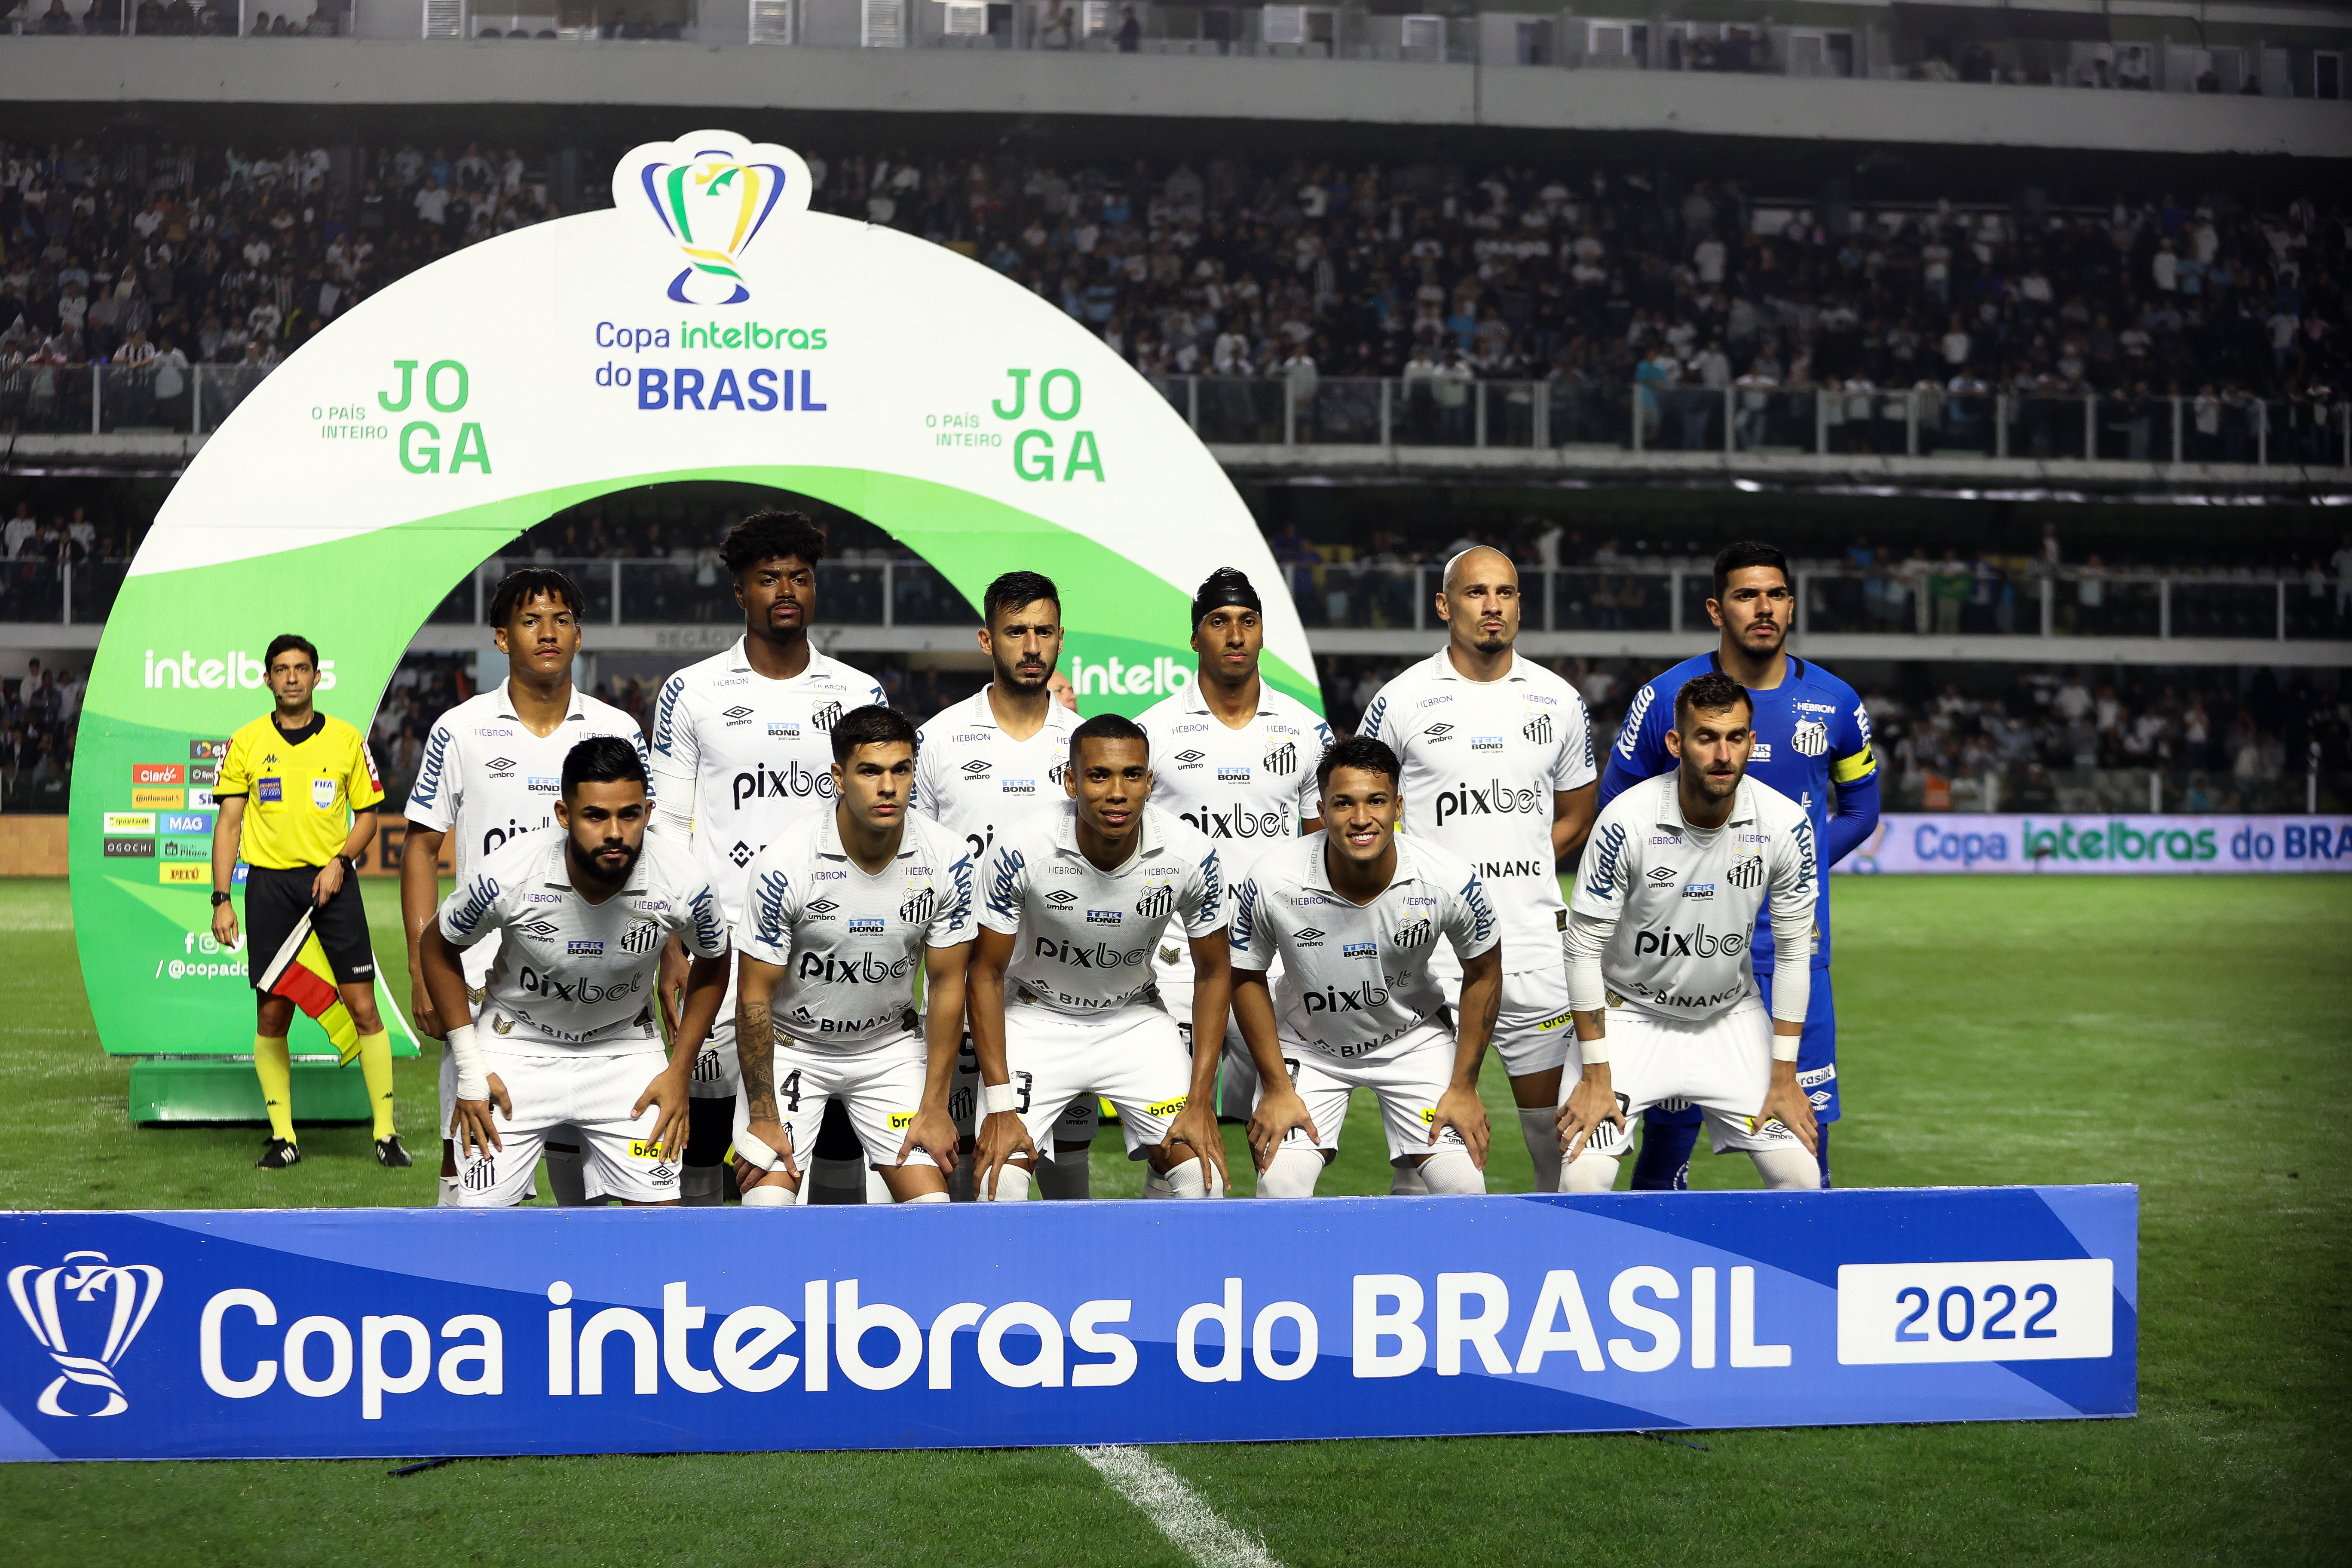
796 947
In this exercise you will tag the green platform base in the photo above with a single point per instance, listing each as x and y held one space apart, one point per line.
223 1089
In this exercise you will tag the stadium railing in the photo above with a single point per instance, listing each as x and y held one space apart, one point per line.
1917 597
1432 412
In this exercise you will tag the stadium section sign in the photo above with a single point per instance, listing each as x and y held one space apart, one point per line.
1965 841
707 327
433 1332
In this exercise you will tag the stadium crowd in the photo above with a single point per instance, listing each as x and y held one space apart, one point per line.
135 253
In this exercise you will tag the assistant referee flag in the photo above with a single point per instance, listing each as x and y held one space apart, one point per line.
301 974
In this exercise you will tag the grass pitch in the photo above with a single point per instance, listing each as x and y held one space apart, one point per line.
2188 1034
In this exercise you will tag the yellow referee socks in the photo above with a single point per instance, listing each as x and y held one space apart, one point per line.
271 1066
376 1065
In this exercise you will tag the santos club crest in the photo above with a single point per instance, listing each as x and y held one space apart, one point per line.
53 1302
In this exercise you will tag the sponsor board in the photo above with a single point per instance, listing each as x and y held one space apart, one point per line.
129 822
2121 845
160 799
183 874
323 1334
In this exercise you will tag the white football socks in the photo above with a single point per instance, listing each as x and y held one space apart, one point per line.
1452 1173
1292 1173
1788 1170
1011 1186
1593 1174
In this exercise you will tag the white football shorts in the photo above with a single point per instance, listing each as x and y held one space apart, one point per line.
589 1098
1081 1119
1722 1065
715 1073
881 1087
1134 1058
1409 1077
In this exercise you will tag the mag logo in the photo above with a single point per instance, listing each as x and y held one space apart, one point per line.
713 194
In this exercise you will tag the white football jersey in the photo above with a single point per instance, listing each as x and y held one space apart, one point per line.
1482 762
485 778
850 945
1684 899
974 780
1086 935
570 974
758 754
1356 977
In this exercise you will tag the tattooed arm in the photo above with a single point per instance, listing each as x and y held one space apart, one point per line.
755 1051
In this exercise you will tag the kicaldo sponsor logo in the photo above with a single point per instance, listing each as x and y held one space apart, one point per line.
234 670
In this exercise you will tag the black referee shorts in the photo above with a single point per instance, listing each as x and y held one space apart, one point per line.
274 902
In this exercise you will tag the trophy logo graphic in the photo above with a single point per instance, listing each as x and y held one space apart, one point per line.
714 192
46 1297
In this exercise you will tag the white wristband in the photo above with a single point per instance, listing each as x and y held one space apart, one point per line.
1594 1053
473 1072
998 1100
1784 1047
751 1152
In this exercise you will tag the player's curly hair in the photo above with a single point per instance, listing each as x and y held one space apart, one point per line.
772 535
523 584
1712 692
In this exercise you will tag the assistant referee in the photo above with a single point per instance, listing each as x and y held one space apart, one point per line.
297 794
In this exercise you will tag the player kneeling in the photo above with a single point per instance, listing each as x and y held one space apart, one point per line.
1658 929
585 907
1354 914
1076 900
843 906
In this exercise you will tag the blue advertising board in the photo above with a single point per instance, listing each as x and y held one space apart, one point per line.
427 1332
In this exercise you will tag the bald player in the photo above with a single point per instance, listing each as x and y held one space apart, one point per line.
1498 755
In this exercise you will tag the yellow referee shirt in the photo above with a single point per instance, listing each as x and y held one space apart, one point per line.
299 790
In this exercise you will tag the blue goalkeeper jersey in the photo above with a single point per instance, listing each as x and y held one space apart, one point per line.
1811 733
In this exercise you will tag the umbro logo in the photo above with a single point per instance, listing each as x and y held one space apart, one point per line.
1437 733
541 928
738 714
1061 898
1191 759
500 764
741 854
822 907
978 766
1662 875
1310 937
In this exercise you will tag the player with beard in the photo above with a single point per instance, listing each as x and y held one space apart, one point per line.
742 749
1236 760
1497 755
1666 1003
1811 740
985 764
490 774
1060 986
583 908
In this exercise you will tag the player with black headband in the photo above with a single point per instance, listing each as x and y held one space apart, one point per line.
985 765
743 748
1235 758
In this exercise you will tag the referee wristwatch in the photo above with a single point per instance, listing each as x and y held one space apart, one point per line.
219 898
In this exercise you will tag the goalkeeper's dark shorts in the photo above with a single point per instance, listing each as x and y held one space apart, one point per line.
274 902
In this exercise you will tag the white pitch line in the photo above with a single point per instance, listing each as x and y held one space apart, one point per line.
1181 1514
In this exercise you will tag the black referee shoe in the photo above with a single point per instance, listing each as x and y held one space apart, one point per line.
391 1156
277 1154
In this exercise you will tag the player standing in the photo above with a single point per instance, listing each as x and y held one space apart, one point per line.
584 908
1355 915
491 768
1497 755
1075 902
986 762
1657 935
1237 762
1811 735
741 750
846 905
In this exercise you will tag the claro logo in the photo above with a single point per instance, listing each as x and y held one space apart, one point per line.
234 670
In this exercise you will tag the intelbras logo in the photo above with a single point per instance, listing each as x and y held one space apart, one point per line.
1114 677
235 670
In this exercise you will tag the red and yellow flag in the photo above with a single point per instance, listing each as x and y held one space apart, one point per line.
301 974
